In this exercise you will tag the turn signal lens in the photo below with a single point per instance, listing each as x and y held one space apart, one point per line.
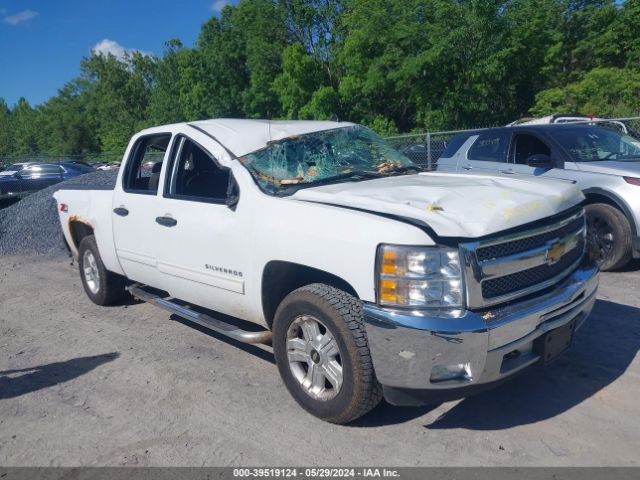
632 180
389 291
389 262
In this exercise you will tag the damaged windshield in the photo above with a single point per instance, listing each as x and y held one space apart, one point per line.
341 154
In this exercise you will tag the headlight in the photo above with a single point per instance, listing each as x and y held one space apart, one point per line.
419 276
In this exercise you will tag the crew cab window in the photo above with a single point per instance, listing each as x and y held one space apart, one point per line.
196 175
142 172
525 146
490 147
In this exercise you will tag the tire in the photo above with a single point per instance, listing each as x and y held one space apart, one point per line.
101 286
346 393
610 233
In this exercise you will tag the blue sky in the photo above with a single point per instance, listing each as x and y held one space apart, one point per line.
42 42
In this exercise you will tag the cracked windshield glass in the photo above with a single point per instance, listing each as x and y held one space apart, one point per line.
341 154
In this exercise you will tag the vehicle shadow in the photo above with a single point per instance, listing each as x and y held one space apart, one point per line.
632 266
14 383
602 351
258 351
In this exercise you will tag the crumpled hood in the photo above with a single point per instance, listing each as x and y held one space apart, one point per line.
611 167
453 205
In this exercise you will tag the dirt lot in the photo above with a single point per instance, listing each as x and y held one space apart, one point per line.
85 385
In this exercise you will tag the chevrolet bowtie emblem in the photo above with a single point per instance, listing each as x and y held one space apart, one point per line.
555 252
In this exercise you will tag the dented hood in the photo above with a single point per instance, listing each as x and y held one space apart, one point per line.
453 205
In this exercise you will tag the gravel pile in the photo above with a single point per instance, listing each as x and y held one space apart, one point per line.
31 226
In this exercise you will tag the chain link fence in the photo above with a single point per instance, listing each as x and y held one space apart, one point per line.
426 148
423 148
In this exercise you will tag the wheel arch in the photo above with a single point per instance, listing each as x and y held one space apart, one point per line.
599 195
78 230
279 278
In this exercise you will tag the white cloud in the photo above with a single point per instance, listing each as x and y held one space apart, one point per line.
111 47
218 5
20 17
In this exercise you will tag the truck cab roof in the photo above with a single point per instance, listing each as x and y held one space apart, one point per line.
243 136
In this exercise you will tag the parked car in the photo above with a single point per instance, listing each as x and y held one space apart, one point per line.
603 162
369 277
106 165
21 179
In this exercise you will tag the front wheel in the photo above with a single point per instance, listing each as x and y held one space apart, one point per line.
609 232
321 349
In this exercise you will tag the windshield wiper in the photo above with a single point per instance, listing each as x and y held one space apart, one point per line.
404 169
355 176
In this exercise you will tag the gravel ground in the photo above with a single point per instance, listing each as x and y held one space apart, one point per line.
32 226
88 385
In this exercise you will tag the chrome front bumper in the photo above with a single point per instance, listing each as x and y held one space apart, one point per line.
493 345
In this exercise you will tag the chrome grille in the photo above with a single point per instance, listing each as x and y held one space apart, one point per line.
505 268
524 244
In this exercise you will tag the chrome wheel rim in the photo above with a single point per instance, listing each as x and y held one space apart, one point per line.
91 273
314 358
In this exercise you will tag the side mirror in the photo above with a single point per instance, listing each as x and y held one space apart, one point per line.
233 193
540 160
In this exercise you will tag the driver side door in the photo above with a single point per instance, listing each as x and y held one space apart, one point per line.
525 145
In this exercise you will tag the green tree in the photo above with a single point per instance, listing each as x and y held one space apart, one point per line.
610 92
6 127
117 93
25 129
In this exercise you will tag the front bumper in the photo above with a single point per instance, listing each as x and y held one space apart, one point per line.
409 347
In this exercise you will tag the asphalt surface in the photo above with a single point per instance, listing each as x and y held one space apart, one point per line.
88 385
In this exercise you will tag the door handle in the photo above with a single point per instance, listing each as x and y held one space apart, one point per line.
167 221
509 171
467 167
123 212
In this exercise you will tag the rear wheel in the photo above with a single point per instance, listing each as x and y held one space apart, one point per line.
609 233
321 349
101 286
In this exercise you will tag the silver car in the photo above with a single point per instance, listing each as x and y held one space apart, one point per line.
603 162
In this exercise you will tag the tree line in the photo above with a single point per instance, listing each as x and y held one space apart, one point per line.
394 65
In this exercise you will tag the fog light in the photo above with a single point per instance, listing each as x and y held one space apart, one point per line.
441 373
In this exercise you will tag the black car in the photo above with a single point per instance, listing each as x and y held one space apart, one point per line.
21 179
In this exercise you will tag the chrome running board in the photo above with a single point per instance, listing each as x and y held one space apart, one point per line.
207 321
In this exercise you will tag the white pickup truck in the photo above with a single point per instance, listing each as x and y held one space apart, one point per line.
369 277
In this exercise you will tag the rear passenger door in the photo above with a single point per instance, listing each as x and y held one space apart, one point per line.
136 206
488 154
